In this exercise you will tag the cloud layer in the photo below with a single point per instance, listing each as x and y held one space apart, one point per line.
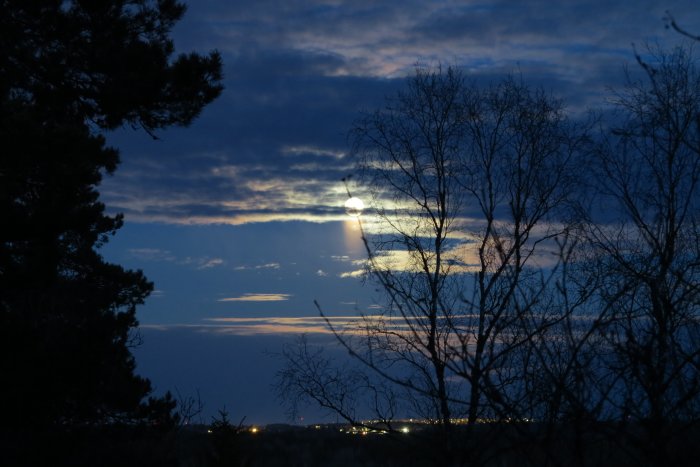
274 146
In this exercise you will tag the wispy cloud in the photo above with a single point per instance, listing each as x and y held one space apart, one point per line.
151 254
157 255
348 325
281 325
258 297
257 267
358 273
271 325
210 263
313 150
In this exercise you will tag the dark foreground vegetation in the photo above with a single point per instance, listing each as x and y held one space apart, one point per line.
527 444
481 445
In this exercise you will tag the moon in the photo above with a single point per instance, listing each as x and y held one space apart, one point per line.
354 207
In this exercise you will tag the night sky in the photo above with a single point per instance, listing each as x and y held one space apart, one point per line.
239 219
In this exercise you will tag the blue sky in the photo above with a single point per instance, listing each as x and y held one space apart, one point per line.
239 219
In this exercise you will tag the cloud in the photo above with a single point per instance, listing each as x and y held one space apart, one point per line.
258 267
210 263
230 194
387 38
260 326
158 255
151 254
315 151
459 259
356 274
278 325
298 74
258 297
281 325
348 325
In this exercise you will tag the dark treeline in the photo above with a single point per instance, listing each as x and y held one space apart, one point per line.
70 70
540 273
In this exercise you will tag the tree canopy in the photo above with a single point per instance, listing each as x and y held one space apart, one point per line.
108 62
69 70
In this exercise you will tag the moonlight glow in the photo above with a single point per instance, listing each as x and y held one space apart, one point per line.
354 207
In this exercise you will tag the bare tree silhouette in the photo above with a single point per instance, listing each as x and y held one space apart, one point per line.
649 182
470 188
